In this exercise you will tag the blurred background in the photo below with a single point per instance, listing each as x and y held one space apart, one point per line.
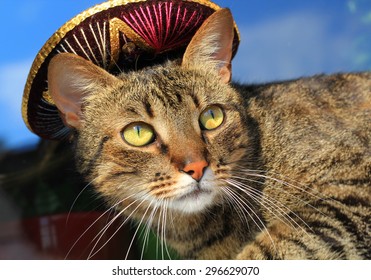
279 40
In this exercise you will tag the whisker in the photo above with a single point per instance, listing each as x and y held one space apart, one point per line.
245 203
165 227
301 187
77 197
162 218
158 228
137 229
234 203
99 236
148 229
122 224
102 215
261 199
283 190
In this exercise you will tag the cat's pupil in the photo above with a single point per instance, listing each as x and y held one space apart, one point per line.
138 130
211 112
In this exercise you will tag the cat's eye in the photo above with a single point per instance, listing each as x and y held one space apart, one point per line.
212 117
138 134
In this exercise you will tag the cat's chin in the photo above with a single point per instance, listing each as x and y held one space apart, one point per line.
197 196
194 202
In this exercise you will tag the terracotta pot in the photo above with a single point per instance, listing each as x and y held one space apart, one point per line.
65 236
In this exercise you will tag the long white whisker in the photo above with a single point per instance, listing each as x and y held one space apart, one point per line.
255 195
165 227
237 204
283 190
100 234
136 231
159 228
301 188
111 222
102 215
258 197
162 229
145 233
148 229
77 197
245 203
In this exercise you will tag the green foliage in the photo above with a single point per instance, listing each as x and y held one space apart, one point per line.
152 247
44 182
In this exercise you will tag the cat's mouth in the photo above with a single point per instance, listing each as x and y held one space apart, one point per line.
196 196
194 201
197 193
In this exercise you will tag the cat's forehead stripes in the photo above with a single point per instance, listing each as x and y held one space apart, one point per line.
171 87
158 90
148 108
195 99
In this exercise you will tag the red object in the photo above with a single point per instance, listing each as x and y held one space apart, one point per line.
65 236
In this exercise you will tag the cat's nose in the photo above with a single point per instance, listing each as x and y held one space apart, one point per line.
196 169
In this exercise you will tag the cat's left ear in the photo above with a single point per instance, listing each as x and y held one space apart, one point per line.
71 80
211 46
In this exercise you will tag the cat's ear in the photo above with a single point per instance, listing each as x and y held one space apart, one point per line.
211 46
71 79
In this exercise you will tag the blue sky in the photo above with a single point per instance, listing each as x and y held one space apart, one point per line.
280 40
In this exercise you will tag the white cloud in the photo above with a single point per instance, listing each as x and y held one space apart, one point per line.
13 78
288 47
12 128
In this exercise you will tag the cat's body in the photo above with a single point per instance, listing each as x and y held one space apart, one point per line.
321 147
219 171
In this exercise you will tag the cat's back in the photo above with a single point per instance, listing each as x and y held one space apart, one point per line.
311 125
315 134
333 95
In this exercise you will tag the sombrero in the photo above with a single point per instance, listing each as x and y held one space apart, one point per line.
117 35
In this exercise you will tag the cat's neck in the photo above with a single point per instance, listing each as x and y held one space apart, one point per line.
208 234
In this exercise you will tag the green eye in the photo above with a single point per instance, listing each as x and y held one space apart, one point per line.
212 117
138 134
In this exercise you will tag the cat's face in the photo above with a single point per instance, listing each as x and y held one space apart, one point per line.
167 135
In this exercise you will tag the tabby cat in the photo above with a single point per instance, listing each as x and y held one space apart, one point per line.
222 170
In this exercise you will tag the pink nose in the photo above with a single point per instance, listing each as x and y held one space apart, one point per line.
196 169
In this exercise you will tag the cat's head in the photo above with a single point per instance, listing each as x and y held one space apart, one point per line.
168 134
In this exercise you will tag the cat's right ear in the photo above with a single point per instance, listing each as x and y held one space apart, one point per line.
70 80
211 46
